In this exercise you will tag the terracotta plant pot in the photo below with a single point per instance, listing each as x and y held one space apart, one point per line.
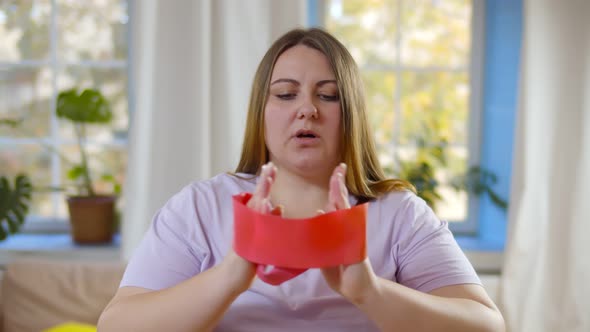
92 218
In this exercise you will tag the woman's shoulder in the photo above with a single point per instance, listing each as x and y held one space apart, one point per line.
395 200
224 184
229 181
221 185
407 208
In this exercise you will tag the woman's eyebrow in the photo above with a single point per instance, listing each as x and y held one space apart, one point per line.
322 82
286 80
295 82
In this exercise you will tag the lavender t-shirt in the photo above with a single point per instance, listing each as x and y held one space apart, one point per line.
406 243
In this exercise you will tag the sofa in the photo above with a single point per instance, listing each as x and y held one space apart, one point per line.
38 294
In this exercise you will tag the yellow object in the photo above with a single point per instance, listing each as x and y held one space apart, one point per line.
72 327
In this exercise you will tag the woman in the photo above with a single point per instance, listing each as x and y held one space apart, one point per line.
307 150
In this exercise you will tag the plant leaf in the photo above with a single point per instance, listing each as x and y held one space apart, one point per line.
88 107
75 172
117 189
14 204
12 123
495 198
108 177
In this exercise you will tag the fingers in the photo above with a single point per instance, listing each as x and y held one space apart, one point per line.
332 275
337 197
260 200
267 176
278 210
338 194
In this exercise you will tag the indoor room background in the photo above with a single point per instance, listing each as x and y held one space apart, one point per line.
484 105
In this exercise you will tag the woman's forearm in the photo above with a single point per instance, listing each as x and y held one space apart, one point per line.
196 304
394 307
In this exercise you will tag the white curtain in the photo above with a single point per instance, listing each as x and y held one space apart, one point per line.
545 285
192 67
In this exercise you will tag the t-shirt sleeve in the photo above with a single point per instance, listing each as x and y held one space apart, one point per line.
174 247
428 257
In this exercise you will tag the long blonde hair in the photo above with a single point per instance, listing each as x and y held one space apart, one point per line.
364 177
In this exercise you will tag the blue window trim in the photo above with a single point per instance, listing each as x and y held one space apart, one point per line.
503 30
313 13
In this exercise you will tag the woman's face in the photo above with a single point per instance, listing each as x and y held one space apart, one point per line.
302 115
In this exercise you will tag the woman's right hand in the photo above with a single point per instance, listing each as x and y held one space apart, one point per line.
240 272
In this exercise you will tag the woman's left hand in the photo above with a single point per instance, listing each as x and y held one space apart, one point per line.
353 281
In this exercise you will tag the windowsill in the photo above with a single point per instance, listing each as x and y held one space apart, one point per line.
486 256
59 246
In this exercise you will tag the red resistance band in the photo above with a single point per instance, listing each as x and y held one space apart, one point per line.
294 245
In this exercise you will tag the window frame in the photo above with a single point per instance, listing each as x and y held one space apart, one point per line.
38 224
503 41
470 226
500 30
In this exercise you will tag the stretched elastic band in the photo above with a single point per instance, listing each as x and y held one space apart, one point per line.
330 239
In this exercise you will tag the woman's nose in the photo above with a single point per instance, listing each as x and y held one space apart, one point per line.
308 110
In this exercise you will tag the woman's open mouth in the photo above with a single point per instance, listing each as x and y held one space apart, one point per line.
306 137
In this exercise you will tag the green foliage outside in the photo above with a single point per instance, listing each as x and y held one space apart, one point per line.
414 58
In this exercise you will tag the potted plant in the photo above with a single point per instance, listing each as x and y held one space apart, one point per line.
421 171
432 155
92 216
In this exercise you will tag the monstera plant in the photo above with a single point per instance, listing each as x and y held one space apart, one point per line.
14 204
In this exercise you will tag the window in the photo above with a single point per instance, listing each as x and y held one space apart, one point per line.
492 75
49 46
422 85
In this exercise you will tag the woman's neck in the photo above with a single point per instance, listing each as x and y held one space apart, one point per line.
301 197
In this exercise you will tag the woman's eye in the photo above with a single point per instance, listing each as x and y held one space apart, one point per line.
286 96
329 97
